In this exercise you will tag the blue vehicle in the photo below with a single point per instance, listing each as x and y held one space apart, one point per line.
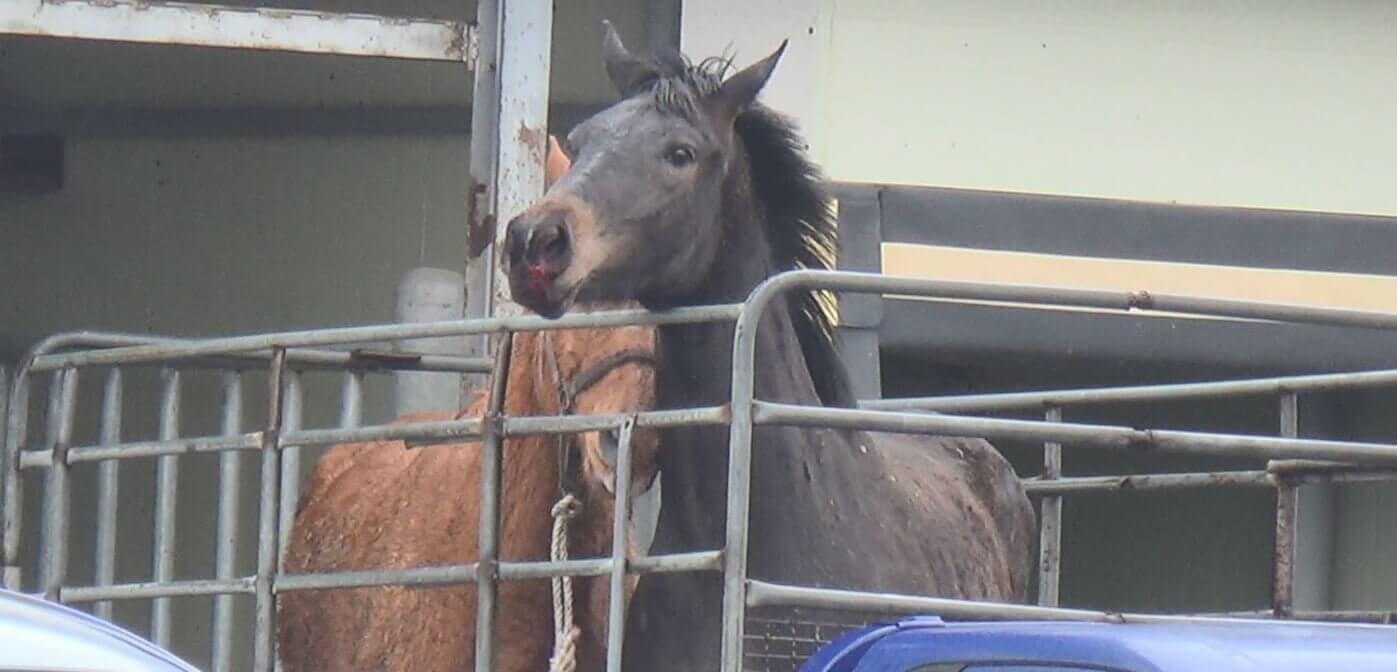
38 636
927 644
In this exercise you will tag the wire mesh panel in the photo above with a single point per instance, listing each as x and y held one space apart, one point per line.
781 640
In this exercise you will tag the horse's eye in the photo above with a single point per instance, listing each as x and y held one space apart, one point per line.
680 156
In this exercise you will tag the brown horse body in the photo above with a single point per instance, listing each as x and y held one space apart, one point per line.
382 505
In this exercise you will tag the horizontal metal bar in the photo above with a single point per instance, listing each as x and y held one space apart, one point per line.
424 576
894 286
1065 485
1294 471
416 576
1237 445
149 590
509 571
417 433
471 429
204 444
178 23
688 417
1332 616
762 594
1141 393
379 333
300 358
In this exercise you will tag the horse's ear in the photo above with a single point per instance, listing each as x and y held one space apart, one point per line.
625 70
738 92
557 164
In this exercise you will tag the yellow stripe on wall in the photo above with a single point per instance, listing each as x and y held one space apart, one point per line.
1307 288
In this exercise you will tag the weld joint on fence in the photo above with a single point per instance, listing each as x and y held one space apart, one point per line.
487 571
1143 438
1140 300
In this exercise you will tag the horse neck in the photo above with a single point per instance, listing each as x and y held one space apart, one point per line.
696 370
531 459
701 354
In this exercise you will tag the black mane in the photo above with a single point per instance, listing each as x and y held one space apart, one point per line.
794 201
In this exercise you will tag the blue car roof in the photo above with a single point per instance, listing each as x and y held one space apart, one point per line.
1169 646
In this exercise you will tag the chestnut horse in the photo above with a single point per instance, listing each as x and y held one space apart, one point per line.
382 505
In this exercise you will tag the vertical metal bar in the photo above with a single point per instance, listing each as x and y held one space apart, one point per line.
166 500
525 48
739 484
508 136
5 400
264 652
484 152
487 568
17 423
620 545
53 567
1287 500
4 425
352 400
108 491
290 462
226 546
1050 530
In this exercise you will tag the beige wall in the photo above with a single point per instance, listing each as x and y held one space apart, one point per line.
1279 105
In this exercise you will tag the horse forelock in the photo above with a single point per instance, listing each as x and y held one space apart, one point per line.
678 85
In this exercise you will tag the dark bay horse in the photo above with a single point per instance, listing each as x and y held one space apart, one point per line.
382 505
686 191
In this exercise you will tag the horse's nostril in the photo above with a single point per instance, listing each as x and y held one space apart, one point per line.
549 241
514 239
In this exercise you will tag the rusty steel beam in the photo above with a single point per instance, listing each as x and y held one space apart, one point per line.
178 23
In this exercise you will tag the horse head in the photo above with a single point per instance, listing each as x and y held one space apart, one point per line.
602 371
640 216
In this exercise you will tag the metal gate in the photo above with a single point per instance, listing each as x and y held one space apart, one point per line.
1284 462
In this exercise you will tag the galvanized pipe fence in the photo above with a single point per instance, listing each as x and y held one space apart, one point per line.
1289 461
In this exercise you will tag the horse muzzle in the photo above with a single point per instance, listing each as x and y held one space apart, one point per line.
539 251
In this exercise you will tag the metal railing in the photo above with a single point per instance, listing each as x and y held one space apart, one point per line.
1290 460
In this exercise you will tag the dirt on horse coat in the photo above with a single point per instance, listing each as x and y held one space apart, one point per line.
381 505
686 191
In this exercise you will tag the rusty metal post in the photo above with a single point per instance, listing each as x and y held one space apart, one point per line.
1287 500
509 141
487 565
1050 523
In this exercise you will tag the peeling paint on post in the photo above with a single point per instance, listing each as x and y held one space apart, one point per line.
525 63
241 28
509 141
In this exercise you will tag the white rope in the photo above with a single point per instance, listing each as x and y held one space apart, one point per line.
565 630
